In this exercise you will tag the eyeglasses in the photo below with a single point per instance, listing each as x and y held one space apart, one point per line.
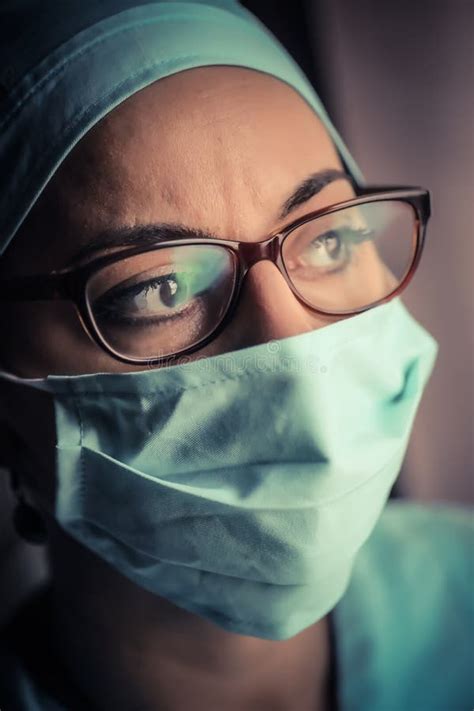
150 304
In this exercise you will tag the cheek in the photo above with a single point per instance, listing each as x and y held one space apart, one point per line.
47 338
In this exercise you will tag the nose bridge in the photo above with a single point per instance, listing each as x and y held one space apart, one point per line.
253 252
267 308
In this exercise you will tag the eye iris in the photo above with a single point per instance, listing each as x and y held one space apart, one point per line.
332 243
170 293
325 250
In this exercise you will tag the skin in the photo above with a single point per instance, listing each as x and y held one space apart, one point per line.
217 148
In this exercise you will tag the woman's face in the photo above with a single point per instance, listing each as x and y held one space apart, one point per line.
220 149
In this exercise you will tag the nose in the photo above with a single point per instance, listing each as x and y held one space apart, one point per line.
267 310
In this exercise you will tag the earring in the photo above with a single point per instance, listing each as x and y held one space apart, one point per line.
27 521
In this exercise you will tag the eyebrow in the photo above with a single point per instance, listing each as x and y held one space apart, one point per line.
151 233
311 186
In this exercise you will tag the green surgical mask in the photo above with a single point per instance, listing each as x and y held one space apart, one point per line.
241 487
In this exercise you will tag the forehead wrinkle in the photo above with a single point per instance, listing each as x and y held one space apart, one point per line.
123 171
143 116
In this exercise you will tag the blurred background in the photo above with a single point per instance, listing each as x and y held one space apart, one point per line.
397 79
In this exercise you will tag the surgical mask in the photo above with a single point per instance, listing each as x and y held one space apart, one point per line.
241 487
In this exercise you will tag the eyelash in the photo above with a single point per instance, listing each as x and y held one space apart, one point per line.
110 309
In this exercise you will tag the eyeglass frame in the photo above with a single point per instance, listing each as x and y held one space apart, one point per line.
71 283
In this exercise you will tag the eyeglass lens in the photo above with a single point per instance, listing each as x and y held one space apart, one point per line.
158 303
349 259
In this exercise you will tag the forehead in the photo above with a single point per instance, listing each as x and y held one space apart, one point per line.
217 147
207 121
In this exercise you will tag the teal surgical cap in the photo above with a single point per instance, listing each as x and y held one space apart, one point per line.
65 64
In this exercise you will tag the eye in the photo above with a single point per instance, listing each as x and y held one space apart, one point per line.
159 295
312 253
164 296
325 253
326 250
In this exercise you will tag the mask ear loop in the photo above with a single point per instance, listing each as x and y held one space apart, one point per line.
27 521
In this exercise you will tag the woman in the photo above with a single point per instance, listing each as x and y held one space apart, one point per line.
208 381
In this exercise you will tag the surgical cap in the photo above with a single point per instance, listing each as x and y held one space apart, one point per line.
64 65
